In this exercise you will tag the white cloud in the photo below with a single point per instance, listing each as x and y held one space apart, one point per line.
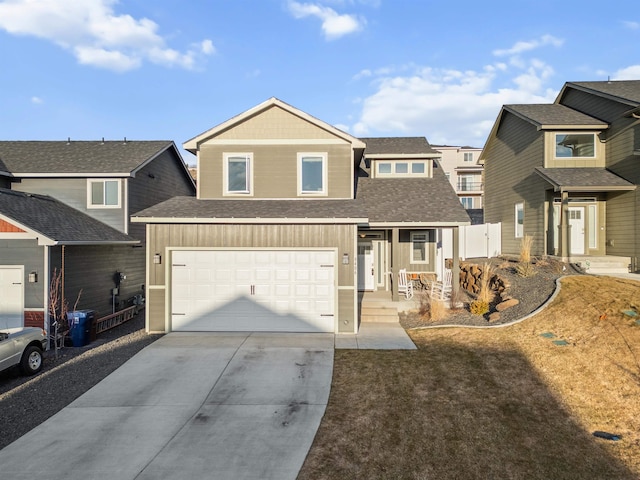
334 25
525 46
450 106
632 25
629 73
95 34
36 100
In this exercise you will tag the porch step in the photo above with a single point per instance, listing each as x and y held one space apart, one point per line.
374 314
604 265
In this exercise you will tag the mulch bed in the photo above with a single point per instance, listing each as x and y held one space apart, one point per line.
531 292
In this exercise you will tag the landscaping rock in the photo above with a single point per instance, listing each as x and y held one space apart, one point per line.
507 304
494 317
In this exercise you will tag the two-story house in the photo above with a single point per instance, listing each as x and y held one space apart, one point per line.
460 165
65 208
566 173
292 218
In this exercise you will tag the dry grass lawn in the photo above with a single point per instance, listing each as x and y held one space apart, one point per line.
502 403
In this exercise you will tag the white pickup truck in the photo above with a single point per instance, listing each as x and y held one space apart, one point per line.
24 347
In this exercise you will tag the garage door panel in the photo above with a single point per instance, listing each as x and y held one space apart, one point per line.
262 290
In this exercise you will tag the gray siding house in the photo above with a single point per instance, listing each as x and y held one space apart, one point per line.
65 207
292 218
567 173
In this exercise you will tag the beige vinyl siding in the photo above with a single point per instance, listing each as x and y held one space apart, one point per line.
275 169
161 237
510 178
552 162
275 123
403 254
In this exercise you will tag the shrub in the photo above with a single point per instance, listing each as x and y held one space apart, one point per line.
485 294
431 308
525 248
525 270
479 307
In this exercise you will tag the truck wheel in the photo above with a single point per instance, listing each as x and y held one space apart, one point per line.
31 362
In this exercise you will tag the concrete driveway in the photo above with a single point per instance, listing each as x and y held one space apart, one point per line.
191 405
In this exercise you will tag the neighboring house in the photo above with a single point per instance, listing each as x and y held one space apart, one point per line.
566 173
292 218
65 207
460 165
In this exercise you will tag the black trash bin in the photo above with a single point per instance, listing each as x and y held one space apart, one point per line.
80 322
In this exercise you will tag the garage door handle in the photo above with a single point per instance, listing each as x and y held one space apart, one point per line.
178 264
178 314
326 266
17 283
326 314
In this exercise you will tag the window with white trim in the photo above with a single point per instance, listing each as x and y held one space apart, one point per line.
575 145
103 193
519 220
468 156
467 202
237 172
419 250
312 173
401 168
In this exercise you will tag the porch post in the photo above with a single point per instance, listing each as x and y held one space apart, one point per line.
395 245
564 243
455 266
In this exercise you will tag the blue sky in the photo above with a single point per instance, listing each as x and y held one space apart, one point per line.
171 69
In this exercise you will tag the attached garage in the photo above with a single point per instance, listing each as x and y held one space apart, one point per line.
275 290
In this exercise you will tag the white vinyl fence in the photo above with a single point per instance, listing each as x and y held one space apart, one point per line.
480 241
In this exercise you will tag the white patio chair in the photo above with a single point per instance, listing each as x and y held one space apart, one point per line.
442 289
405 286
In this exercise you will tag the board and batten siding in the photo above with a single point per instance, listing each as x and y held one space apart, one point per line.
162 237
73 192
275 169
89 272
403 254
161 179
510 179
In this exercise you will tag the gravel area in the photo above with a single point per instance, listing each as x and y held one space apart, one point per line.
531 292
26 402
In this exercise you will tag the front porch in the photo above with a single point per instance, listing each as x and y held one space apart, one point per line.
378 306
602 264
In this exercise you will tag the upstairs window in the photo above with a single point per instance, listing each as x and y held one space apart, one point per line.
312 173
103 194
575 145
237 173
409 168
468 156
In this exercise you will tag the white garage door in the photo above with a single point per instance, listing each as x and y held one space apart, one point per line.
11 297
253 290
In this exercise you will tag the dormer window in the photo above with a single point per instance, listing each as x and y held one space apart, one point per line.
103 193
401 168
575 145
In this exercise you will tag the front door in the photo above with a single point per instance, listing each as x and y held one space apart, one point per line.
576 220
11 297
366 277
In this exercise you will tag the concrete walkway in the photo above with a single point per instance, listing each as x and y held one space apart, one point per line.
191 405
376 336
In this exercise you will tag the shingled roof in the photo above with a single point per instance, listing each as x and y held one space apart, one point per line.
417 200
398 146
626 90
57 221
553 115
21 158
215 210
584 179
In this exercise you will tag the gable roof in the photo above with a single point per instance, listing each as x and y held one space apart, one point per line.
553 116
55 223
623 91
584 179
419 201
79 158
398 147
193 144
